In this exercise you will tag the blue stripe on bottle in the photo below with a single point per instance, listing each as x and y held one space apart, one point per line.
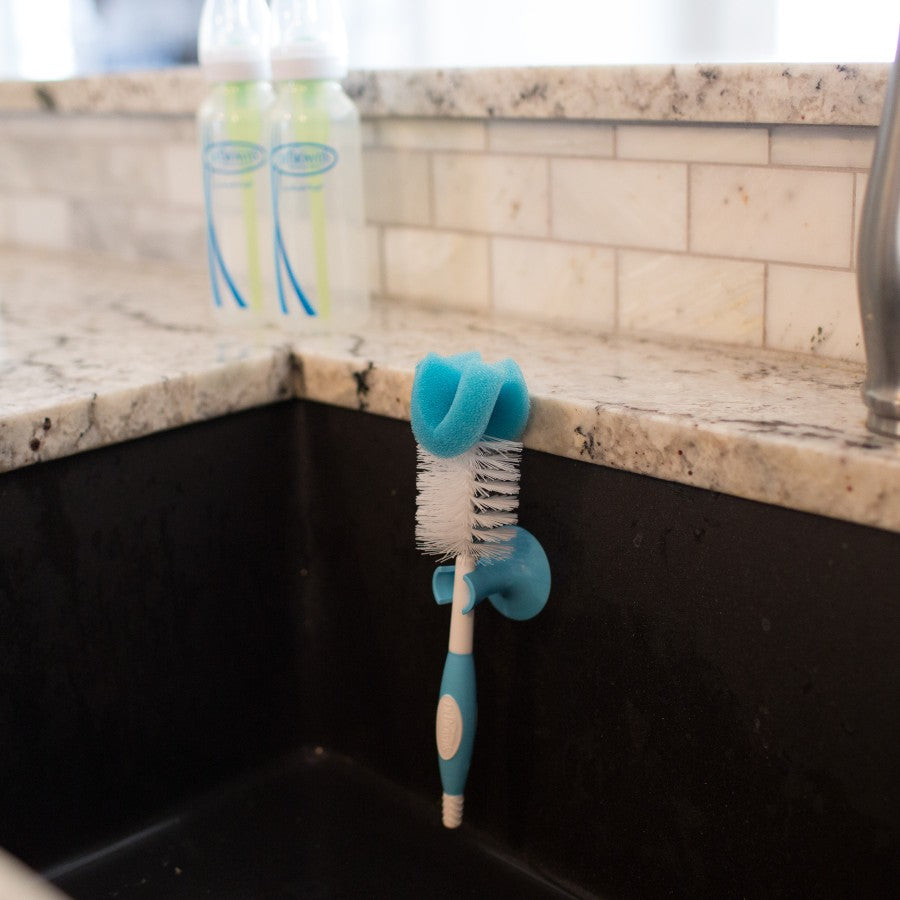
215 254
281 257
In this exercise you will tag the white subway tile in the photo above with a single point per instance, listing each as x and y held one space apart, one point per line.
709 299
96 128
165 232
555 282
498 194
9 165
636 204
183 174
373 257
438 268
831 145
136 171
32 126
40 221
102 225
397 187
368 132
180 128
61 166
552 138
690 143
814 310
784 215
5 223
432 134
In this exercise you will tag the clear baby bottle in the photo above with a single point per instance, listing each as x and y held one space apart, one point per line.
316 172
232 122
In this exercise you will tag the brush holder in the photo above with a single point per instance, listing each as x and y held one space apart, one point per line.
517 587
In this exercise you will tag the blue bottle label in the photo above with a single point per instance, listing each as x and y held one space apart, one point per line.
233 157
303 158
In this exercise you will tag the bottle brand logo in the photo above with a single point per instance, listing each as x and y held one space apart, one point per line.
304 159
233 157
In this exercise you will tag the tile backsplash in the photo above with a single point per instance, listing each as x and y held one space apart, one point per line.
736 234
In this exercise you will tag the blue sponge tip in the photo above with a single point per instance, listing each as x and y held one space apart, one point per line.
458 400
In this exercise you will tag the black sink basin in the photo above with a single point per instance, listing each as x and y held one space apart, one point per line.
706 707
314 826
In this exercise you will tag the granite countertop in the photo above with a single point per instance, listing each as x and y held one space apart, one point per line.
804 93
94 352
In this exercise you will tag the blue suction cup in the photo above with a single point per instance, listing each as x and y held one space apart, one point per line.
517 587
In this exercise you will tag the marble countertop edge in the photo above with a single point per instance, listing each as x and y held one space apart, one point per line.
765 92
751 459
101 418
95 352
841 487
814 476
771 469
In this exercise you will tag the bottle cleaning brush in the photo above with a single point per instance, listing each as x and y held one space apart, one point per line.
466 416
467 504
467 507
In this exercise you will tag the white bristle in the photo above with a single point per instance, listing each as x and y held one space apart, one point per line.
467 504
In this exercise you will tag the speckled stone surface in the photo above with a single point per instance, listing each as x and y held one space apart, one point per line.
177 90
96 352
823 94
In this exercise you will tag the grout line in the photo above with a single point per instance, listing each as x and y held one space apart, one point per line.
617 320
655 160
376 133
485 135
630 248
687 199
490 276
549 170
382 259
765 309
432 193
486 154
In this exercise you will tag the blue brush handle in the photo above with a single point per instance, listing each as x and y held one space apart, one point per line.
456 718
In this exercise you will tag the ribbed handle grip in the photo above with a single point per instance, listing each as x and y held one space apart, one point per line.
455 723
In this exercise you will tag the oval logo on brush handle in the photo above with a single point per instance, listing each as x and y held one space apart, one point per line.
448 727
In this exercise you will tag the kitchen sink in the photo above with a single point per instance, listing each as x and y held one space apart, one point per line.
220 659
314 825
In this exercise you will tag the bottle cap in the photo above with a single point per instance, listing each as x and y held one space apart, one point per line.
309 40
233 41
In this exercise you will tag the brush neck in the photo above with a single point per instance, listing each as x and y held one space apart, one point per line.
461 624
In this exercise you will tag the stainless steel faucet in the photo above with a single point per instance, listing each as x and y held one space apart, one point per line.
878 270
